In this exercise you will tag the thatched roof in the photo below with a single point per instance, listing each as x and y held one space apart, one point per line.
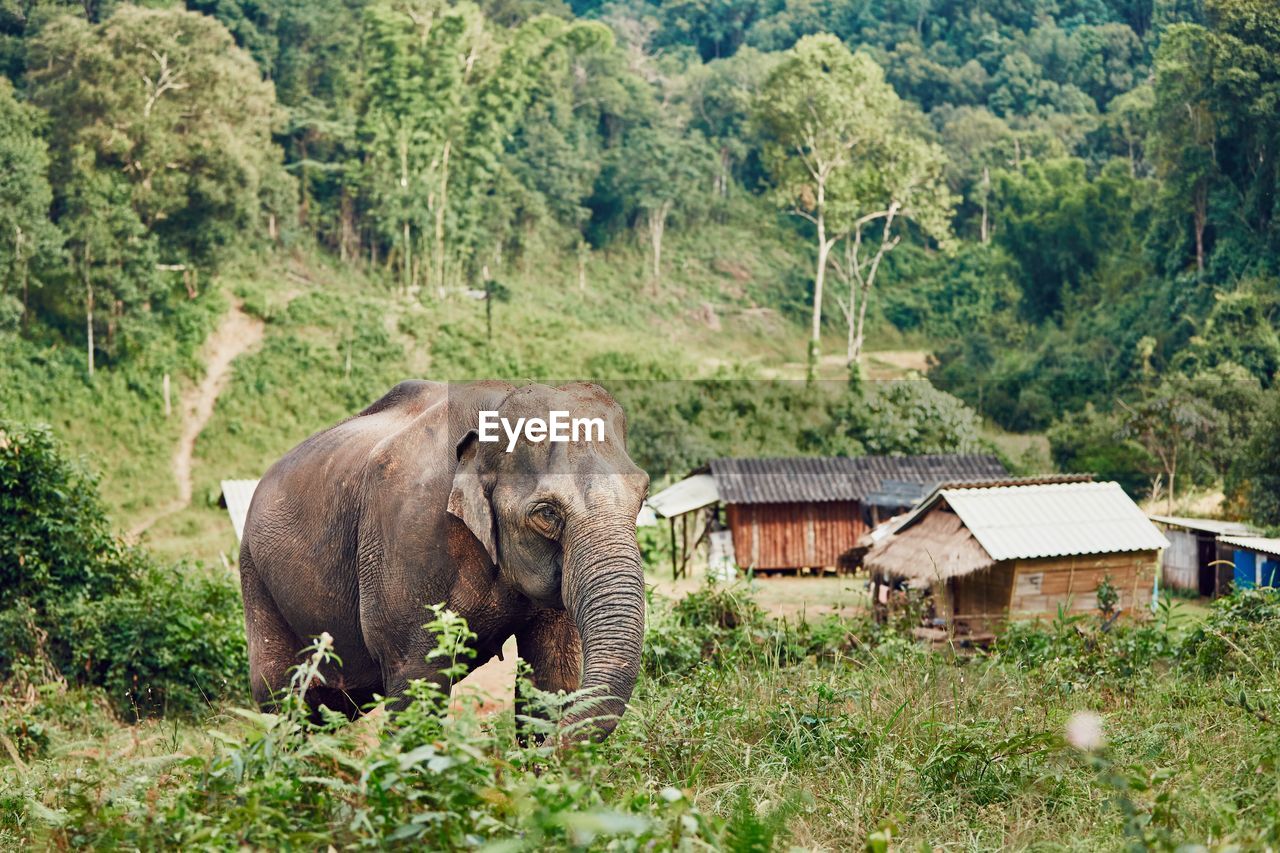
938 546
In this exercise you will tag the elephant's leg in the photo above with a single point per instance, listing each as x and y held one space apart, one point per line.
398 669
273 646
549 643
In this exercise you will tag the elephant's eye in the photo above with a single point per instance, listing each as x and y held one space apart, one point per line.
546 520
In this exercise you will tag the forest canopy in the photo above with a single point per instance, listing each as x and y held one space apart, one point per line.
1072 201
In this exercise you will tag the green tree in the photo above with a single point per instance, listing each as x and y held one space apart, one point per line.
663 171
113 256
1095 442
1183 130
902 417
27 238
824 114
1216 132
1175 424
904 185
1257 471
162 100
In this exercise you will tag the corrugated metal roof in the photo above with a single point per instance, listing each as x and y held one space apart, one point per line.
236 497
1207 525
1051 520
806 479
685 496
1258 544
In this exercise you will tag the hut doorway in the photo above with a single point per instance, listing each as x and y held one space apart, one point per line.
1206 559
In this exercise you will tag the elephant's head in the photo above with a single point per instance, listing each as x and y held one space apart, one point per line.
558 520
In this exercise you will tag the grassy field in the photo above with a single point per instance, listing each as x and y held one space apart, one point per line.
768 714
827 734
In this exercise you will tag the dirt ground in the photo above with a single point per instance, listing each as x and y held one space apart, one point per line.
494 680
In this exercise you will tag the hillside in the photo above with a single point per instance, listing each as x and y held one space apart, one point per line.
313 340
1040 204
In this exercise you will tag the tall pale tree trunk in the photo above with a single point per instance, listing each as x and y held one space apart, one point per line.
88 314
1201 221
406 256
887 243
444 203
819 279
657 217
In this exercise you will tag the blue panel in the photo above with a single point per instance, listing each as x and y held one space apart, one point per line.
1271 573
1246 568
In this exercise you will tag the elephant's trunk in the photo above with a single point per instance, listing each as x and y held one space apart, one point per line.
603 590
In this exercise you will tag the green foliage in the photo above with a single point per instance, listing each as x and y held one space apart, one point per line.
1094 442
754 751
907 417
283 779
27 238
189 149
1238 638
1254 469
98 611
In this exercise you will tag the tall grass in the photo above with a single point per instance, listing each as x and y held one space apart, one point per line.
830 735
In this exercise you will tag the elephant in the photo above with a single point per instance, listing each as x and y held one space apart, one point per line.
407 504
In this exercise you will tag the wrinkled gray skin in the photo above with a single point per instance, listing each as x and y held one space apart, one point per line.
362 525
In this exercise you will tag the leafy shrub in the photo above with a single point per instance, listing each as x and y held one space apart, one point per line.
101 612
704 625
440 777
1077 650
899 417
973 758
1093 441
1241 636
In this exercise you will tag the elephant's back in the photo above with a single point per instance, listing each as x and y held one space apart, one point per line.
302 527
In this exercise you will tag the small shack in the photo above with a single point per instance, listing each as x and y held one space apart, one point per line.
235 498
1256 560
1196 560
803 512
993 552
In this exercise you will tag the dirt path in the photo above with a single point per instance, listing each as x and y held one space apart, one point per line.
237 333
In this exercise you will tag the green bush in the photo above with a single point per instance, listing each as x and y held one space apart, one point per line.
440 777
1077 651
1240 637
99 611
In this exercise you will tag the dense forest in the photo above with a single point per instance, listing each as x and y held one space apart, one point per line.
1072 201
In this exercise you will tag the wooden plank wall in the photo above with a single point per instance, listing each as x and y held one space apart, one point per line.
1181 560
1028 588
1039 586
794 536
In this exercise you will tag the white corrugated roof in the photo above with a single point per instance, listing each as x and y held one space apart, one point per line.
237 494
685 496
1208 525
1261 544
1052 519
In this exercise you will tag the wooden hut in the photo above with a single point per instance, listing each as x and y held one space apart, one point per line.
989 553
804 512
1256 560
1196 560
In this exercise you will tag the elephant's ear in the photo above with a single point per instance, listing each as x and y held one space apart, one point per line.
468 500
